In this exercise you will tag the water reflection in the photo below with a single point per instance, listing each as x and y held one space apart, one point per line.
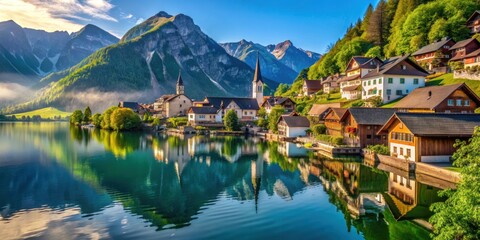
186 185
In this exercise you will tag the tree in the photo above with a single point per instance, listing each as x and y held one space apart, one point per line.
97 120
374 52
106 118
124 119
281 89
319 129
459 216
87 115
377 25
275 114
262 118
231 121
366 17
146 116
76 117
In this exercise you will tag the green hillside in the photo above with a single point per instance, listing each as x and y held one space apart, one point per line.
48 112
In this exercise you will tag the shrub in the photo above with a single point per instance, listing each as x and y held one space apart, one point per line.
156 122
124 119
337 140
319 129
97 120
178 121
380 149
231 121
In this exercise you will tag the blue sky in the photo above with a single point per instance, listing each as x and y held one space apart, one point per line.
309 24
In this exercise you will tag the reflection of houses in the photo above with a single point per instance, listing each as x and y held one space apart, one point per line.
173 150
291 150
395 78
455 98
319 111
409 199
362 124
285 102
428 137
293 126
172 105
310 87
231 149
435 55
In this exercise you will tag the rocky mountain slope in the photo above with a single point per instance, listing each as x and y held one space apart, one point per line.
283 61
145 64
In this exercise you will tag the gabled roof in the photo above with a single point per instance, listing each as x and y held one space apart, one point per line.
474 14
313 84
351 88
243 103
203 110
464 43
364 62
431 97
370 116
338 111
436 124
318 109
432 47
276 100
295 121
473 54
388 67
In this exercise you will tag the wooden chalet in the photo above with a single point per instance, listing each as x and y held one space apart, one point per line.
293 126
427 137
285 102
434 57
319 111
310 87
473 22
357 67
455 98
332 121
463 48
472 59
330 84
361 126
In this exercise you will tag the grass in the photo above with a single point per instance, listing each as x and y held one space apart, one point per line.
447 79
48 112
392 103
454 169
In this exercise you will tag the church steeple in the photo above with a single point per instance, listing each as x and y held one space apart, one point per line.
257 83
180 87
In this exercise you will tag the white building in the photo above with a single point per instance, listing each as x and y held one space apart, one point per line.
395 78
293 126
357 68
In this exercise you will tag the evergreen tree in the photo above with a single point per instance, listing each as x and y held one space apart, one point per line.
87 115
377 25
366 18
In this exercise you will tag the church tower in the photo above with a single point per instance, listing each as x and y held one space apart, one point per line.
257 83
180 87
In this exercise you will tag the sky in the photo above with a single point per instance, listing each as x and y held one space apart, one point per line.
309 24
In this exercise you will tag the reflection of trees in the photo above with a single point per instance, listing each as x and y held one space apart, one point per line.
119 143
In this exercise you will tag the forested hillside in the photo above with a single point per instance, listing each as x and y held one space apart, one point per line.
396 27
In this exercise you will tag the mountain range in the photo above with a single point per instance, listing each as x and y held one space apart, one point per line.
283 61
28 54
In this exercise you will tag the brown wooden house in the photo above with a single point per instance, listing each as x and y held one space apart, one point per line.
285 102
361 126
463 48
427 137
332 121
434 57
311 87
319 111
473 22
455 98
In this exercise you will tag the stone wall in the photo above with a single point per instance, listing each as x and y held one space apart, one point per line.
465 75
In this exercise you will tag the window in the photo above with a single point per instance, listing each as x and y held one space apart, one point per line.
415 81
364 83
406 91
466 103
390 80
401 151
369 82
450 102
408 184
369 136
409 152
404 67
389 91
459 102
180 105
447 56
379 81
374 81
395 149
399 92
402 80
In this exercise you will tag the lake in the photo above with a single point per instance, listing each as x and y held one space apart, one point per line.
62 182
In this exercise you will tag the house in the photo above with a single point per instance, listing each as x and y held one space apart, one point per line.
427 137
455 98
395 78
293 126
463 48
172 105
311 87
285 102
361 126
319 111
330 84
472 59
357 68
132 105
332 121
434 57
198 116
473 22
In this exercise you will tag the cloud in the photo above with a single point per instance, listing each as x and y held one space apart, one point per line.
54 15
128 16
140 20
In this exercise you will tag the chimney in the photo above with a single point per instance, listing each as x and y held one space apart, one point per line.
429 94
378 68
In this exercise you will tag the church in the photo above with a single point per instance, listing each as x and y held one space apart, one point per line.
173 105
211 110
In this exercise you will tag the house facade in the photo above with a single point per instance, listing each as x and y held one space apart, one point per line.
319 111
285 102
427 137
357 68
201 116
333 123
293 126
173 105
330 84
361 126
472 59
463 48
395 78
311 87
473 22
434 57
455 98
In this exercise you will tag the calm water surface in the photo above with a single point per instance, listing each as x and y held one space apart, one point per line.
59 182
